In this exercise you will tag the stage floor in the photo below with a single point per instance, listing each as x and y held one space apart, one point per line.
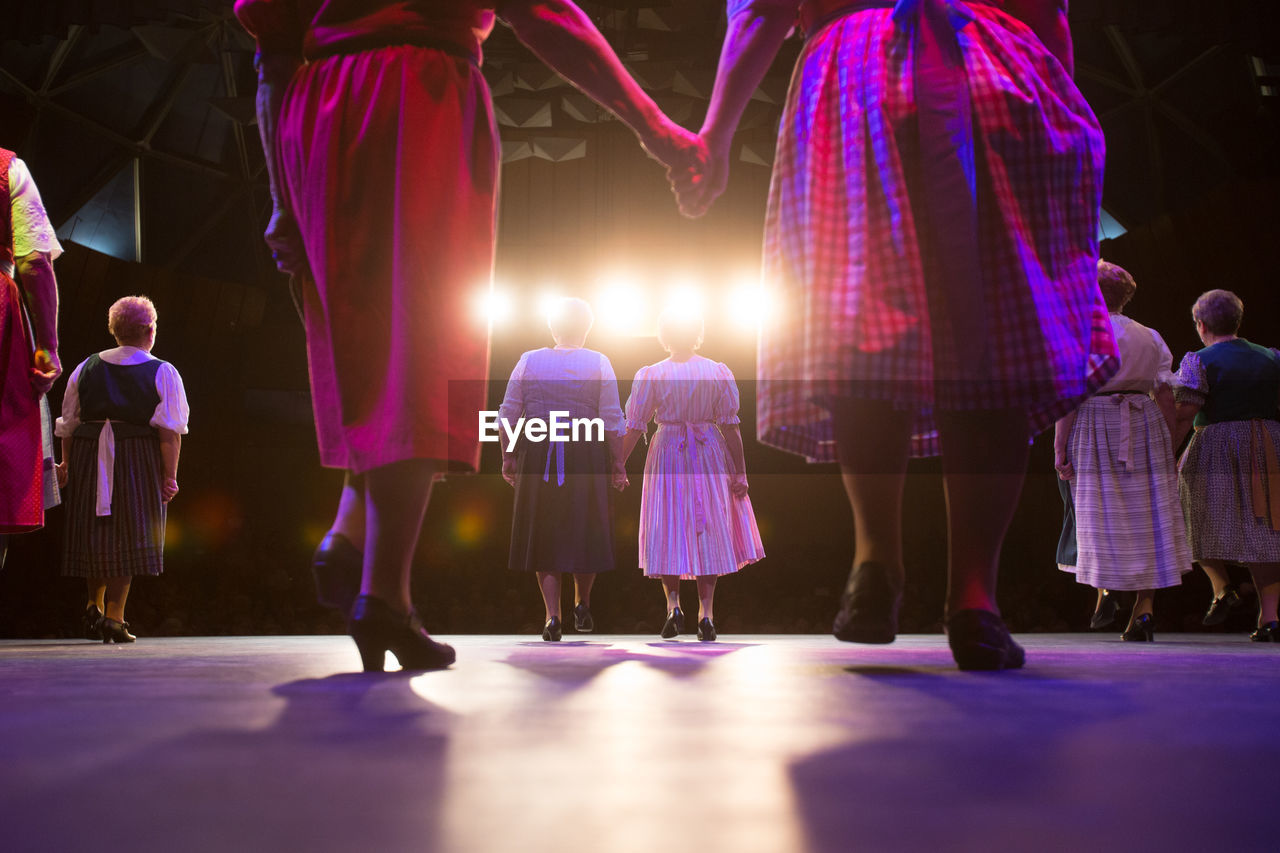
626 743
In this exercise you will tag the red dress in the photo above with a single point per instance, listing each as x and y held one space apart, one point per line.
389 160
862 315
21 456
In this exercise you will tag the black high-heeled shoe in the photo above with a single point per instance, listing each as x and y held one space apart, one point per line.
674 624
869 606
1105 615
116 632
91 621
1268 633
1220 608
377 629
582 621
1140 631
979 640
551 632
706 631
336 567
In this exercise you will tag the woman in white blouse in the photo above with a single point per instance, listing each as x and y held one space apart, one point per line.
123 417
563 518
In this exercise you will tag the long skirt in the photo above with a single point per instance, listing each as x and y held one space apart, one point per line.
691 525
390 158
1129 532
129 541
21 483
845 255
1220 471
562 526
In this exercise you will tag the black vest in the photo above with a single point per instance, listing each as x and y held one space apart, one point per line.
121 392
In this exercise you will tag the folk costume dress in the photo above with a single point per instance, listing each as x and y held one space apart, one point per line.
388 156
1127 514
563 518
114 404
932 224
691 525
26 477
1229 476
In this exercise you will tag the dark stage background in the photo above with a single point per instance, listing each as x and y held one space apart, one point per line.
254 501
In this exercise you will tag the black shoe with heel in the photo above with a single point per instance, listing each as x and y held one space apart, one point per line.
377 629
1105 615
1221 606
582 621
92 622
706 631
116 632
674 624
1140 631
337 566
1268 633
979 640
552 631
869 605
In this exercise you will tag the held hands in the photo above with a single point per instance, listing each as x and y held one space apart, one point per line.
1063 466
169 489
509 469
738 485
45 370
285 242
696 192
619 480
687 160
60 472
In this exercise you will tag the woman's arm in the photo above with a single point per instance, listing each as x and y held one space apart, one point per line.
36 272
1186 415
170 446
565 38
738 476
1061 438
756 31
274 73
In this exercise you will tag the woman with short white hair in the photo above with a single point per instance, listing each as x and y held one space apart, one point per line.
123 417
696 521
563 517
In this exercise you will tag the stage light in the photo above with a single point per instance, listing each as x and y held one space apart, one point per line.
751 304
684 298
494 306
547 302
620 305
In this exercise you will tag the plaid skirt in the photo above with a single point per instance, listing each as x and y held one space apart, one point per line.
844 254
129 541
1216 481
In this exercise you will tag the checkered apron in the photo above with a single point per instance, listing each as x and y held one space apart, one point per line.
864 282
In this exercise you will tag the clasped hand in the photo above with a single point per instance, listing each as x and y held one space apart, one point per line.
697 170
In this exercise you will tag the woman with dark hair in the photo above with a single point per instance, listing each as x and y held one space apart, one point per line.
563 520
1229 477
932 237
696 520
123 417
383 155
1115 452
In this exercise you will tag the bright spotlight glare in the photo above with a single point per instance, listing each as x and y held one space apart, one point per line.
684 299
620 305
749 305
547 303
495 306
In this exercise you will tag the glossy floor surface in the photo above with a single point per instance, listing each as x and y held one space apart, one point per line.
611 743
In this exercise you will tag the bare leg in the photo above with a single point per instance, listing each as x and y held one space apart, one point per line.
582 588
1144 605
396 499
350 519
872 439
1266 577
706 596
117 592
97 590
984 459
549 584
671 590
1216 570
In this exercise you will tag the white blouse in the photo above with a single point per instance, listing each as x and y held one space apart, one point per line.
32 230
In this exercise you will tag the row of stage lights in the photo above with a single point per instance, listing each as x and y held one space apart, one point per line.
626 305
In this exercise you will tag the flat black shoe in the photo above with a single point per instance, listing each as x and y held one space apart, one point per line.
582 621
1140 631
1105 615
869 605
674 624
706 631
551 631
377 629
116 632
1222 606
979 640
92 622
1268 633
337 566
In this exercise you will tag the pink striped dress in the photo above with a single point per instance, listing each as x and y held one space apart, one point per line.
691 525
